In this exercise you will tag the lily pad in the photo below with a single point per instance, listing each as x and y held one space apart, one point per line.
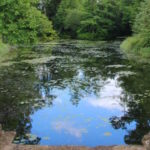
107 134
46 138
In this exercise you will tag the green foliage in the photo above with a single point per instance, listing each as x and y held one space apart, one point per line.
4 49
72 21
142 21
22 23
140 42
51 7
129 9
68 17
136 44
102 21
93 19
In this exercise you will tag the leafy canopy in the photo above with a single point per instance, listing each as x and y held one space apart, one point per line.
21 22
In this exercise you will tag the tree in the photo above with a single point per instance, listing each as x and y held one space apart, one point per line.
68 17
142 21
140 41
21 22
96 19
102 21
129 10
49 7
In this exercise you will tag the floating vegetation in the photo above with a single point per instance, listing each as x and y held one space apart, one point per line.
105 120
88 120
46 138
126 73
78 92
27 139
116 66
107 134
39 60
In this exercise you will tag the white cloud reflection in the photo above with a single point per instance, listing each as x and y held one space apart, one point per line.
68 128
109 97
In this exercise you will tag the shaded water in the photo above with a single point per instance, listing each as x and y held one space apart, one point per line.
75 93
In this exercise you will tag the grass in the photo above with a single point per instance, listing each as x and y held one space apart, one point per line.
137 45
4 50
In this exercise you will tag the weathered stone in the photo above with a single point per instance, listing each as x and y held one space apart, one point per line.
146 141
6 139
0 129
129 148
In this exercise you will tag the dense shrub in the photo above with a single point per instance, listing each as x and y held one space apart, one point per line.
21 22
140 41
95 19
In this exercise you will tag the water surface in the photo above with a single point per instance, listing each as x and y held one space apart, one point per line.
75 93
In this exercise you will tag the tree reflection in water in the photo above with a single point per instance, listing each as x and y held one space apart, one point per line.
137 103
84 70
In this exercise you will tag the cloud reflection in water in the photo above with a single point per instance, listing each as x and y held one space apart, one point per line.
109 97
68 128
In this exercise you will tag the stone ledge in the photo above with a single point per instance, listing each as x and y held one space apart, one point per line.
6 139
129 148
34 147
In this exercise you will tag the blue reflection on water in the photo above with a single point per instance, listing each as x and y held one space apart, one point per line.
86 124
84 96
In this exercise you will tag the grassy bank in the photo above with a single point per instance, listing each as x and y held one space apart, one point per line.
137 45
4 50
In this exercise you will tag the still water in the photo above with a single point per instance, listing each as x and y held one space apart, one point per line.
75 93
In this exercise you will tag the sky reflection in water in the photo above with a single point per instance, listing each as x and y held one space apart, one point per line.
85 96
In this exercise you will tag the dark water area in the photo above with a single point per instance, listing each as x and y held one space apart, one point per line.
75 93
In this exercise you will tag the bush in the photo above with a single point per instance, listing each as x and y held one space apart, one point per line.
140 42
137 45
4 49
101 20
22 23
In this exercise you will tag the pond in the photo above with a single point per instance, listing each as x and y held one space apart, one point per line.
75 93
